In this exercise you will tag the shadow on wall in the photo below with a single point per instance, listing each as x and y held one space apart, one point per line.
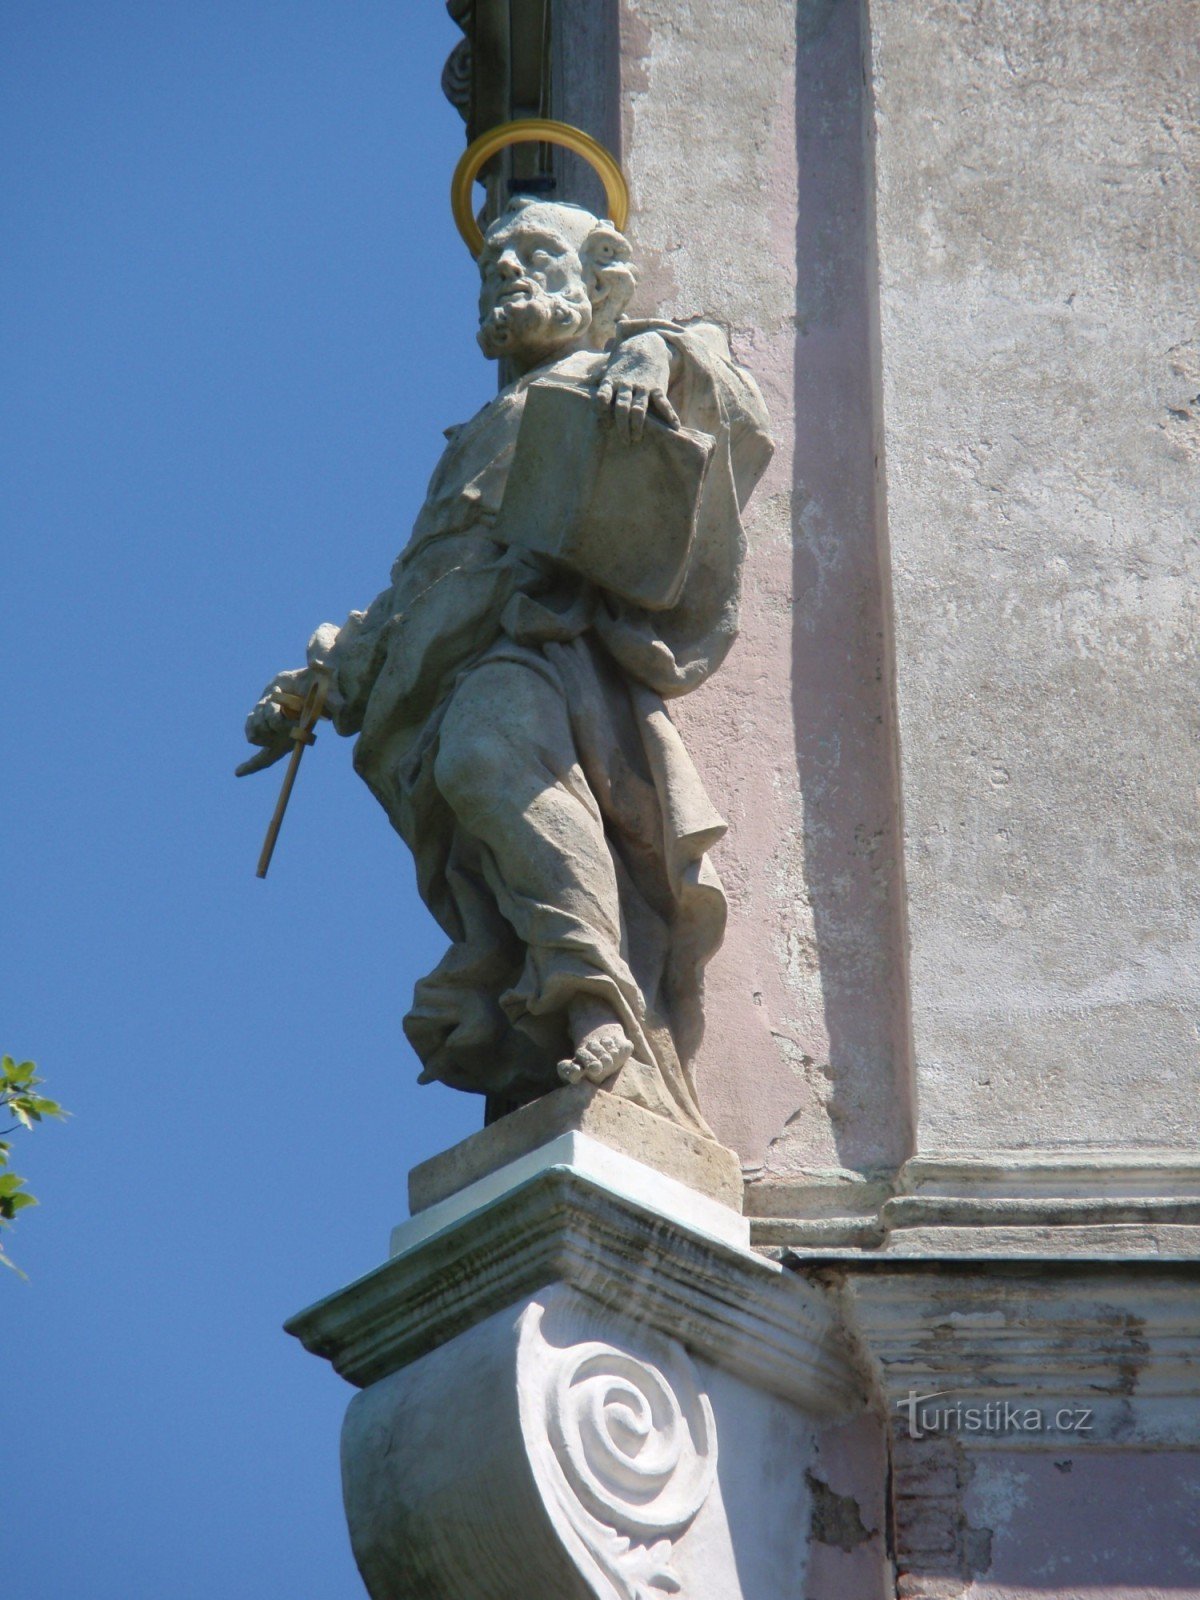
842 695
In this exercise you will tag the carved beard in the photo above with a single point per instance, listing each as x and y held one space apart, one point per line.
536 323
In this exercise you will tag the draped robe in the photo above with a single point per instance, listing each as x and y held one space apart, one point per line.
492 1017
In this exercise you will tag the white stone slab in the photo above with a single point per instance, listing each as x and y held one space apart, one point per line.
618 1174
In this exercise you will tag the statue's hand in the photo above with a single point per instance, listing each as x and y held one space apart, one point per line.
271 722
636 381
269 725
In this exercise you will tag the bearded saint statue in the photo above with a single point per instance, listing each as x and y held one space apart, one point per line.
510 705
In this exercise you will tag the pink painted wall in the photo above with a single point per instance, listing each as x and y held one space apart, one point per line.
761 218
1086 1520
1105 1524
848 1544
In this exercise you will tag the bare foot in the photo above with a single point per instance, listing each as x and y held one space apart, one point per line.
602 1047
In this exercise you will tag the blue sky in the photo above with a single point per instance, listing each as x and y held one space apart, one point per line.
236 318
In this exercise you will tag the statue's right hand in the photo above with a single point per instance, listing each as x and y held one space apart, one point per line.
269 726
265 758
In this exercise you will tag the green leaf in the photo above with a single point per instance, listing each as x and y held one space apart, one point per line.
10 1182
40 1106
11 1201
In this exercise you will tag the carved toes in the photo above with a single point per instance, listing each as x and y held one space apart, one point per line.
597 1058
604 1055
570 1070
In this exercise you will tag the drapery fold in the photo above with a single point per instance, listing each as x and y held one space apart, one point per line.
464 610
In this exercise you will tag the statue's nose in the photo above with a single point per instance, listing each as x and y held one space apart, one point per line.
509 265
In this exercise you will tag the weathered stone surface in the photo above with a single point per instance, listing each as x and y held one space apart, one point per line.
1036 240
576 563
1043 1424
557 1449
584 1108
1038 229
1121 1340
622 1244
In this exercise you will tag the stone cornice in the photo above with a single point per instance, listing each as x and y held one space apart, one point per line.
1082 1204
1122 1340
724 1303
1099 1174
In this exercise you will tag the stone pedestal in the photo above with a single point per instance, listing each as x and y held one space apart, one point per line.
605 1119
578 1380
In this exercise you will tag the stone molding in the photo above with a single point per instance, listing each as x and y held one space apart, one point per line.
1154 1174
1082 1204
1122 1339
721 1301
821 1207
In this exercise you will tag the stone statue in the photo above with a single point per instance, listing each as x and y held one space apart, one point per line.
576 563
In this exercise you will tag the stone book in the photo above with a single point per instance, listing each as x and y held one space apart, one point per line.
622 514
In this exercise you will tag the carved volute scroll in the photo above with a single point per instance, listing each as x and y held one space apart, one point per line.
623 1449
563 1448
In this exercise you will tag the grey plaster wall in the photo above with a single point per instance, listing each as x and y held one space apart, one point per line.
1039 232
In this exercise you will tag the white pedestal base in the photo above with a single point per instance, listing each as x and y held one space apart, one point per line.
578 1381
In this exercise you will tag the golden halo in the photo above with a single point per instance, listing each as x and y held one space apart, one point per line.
533 130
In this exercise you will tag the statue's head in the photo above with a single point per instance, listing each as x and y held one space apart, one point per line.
552 276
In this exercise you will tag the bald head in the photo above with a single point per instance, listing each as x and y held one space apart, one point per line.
573 223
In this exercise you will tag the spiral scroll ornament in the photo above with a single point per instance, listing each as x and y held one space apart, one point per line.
632 1456
638 1454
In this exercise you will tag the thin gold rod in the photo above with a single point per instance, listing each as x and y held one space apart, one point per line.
302 733
541 130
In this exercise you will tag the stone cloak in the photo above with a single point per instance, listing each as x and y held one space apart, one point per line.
491 1017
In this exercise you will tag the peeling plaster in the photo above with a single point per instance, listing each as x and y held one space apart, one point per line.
836 1518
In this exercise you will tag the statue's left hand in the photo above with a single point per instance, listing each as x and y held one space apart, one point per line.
636 381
